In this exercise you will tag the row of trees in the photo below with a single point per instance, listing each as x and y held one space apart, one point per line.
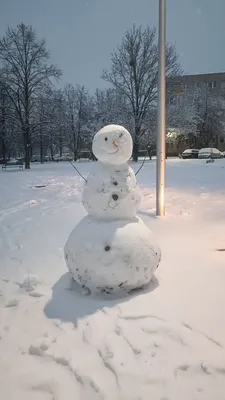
35 116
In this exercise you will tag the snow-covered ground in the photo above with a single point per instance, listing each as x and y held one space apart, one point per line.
167 343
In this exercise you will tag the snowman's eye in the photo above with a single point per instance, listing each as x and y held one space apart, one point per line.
120 135
106 139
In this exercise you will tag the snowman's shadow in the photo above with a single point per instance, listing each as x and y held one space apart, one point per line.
68 305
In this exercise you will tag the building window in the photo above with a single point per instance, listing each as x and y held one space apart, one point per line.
222 84
221 139
212 84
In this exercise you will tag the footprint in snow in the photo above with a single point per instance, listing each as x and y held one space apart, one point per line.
12 303
35 294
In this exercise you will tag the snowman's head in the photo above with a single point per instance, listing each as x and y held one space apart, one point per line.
113 145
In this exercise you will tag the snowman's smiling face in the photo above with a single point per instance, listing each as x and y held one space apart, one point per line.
113 145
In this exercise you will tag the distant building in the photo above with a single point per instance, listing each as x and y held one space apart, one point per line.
215 82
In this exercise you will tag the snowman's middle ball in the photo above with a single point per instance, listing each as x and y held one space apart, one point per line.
113 145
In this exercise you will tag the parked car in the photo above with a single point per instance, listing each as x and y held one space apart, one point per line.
210 152
21 159
63 157
190 153
14 161
37 158
85 154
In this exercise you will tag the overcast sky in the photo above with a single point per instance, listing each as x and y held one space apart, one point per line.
82 33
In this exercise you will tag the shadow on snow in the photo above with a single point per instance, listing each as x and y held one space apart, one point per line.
68 304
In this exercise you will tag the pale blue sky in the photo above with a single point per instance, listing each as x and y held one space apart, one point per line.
82 33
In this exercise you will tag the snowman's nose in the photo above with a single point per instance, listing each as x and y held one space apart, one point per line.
116 144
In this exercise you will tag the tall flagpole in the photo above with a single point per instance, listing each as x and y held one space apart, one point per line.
161 113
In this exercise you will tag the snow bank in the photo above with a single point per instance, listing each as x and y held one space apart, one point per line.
166 342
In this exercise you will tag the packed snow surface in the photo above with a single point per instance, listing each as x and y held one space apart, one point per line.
163 343
111 256
111 192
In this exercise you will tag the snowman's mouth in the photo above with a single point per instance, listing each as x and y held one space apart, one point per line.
113 152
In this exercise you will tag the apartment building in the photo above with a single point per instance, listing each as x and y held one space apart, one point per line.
214 82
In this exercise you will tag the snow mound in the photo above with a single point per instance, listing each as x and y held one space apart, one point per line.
111 256
29 283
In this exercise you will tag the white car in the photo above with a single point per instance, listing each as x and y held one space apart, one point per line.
210 152
64 157
190 153
14 161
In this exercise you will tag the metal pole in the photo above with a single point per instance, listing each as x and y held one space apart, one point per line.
161 113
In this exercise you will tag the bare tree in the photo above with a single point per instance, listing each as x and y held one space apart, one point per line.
42 122
59 119
71 110
210 110
182 112
110 107
8 125
134 73
79 116
82 107
26 71
3 119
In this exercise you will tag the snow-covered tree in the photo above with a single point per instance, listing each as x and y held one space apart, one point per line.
25 70
210 108
195 112
181 112
10 143
110 108
134 73
79 114
43 120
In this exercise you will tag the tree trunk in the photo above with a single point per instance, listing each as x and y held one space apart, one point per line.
27 156
149 150
41 146
74 145
79 131
135 151
74 138
136 144
52 152
60 144
41 151
74 151
27 146
3 149
3 130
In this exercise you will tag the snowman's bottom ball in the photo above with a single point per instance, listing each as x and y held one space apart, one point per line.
111 256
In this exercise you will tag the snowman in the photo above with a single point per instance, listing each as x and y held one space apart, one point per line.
111 249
